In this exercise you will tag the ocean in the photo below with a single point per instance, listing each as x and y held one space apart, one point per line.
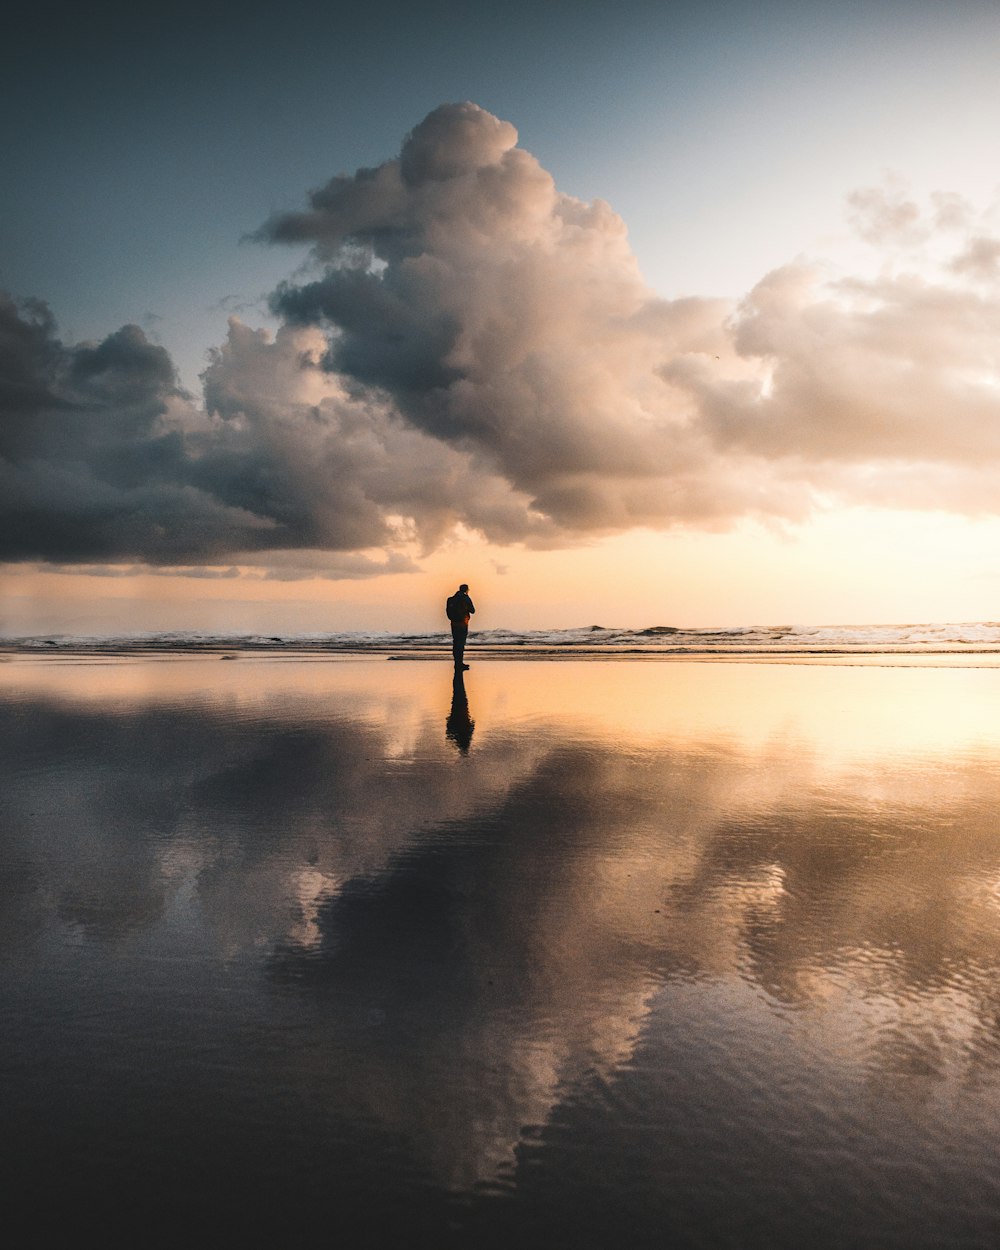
979 639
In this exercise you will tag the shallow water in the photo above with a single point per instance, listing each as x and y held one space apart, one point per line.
586 955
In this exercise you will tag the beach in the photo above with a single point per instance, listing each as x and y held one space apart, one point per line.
692 953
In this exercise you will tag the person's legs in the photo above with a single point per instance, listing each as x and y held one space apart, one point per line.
459 633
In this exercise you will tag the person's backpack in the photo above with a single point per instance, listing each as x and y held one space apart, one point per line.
456 610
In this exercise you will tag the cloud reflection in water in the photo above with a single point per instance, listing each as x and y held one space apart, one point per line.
725 946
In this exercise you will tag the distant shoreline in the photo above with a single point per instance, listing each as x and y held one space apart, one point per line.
961 643
969 656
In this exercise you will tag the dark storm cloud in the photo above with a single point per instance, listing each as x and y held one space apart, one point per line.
103 458
89 469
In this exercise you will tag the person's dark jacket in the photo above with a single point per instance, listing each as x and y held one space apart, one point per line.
459 608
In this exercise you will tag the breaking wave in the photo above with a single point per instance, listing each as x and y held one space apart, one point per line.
983 637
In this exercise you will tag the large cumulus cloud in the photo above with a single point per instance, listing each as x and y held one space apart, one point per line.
510 320
471 347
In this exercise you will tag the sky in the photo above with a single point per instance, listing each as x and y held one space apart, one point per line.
625 315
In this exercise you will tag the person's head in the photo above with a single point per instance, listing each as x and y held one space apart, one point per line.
464 586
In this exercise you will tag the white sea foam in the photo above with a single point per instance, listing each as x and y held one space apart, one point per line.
912 638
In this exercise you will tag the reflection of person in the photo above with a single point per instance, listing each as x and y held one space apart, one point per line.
459 608
459 725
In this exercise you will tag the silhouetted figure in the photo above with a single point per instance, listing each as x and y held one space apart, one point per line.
459 608
459 725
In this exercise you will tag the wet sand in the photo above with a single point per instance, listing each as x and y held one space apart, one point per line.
575 954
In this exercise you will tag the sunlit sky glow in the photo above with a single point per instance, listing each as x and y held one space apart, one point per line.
693 319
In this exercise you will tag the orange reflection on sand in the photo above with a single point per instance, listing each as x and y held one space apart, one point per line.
843 713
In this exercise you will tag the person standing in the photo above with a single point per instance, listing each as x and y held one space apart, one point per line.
459 608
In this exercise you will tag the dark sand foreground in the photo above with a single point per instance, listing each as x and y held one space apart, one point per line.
579 954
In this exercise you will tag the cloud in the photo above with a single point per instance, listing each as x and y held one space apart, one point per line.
290 566
882 391
468 348
201 571
980 258
89 468
104 458
883 215
889 217
510 320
